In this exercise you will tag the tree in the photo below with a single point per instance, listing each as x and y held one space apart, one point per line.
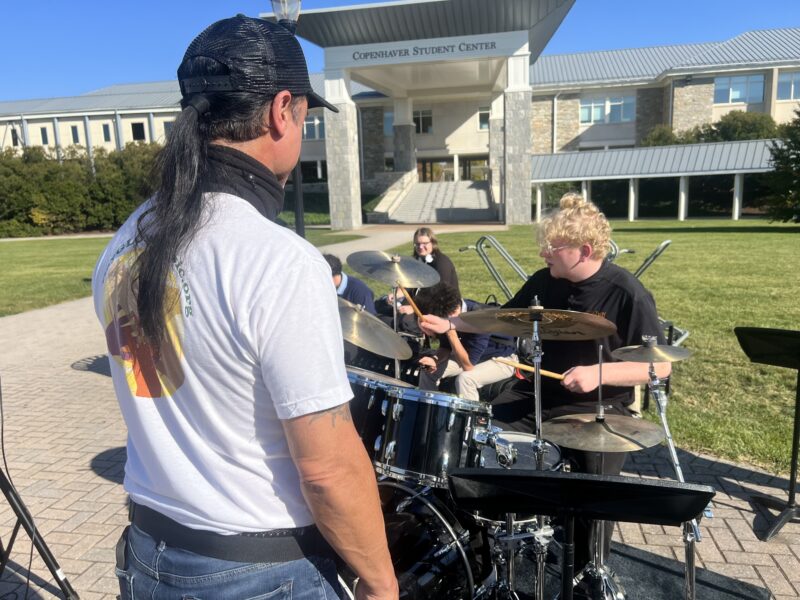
783 204
660 135
739 125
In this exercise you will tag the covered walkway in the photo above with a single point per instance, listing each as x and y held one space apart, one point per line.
635 164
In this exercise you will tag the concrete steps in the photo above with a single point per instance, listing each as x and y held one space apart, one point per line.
446 202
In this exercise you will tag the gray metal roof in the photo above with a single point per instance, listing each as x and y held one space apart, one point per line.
422 19
762 47
660 161
632 65
131 96
641 65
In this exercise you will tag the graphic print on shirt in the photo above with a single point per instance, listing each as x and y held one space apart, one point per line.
150 373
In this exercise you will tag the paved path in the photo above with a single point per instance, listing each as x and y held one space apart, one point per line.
64 444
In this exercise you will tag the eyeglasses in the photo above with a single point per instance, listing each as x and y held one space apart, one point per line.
422 243
550 250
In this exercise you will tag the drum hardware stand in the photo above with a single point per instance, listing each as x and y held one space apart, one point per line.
691 529
602 584
25 520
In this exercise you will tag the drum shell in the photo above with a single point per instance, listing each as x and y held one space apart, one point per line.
370 391
426 435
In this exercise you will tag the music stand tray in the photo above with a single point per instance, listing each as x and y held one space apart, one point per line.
779 348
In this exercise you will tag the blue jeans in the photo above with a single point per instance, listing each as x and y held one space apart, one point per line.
154 571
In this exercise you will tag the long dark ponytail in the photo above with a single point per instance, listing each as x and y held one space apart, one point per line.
176 209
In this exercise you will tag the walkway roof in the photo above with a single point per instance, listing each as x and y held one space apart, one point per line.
658 161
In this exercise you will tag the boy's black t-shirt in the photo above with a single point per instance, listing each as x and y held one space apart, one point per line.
612 293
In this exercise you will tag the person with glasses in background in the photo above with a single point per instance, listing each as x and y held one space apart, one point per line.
574 242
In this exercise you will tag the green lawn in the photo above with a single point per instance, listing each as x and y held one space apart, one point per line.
715 275
37 273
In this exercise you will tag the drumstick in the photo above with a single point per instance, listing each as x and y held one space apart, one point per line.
522 367
417 311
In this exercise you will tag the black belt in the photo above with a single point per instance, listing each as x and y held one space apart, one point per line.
277 545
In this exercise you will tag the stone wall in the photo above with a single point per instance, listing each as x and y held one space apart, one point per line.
518 157
692 104
497 144
405 152
372 140
568 124
542 124
341 151
649 111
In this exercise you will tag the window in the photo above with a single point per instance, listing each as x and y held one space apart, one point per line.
14 138
742 88
423 121
43 131
75 137
137 131
616 109
168 128
388 123
106 132
483 118
789 86
314 128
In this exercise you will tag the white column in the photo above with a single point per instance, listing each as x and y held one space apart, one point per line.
118 124
456 172
89 145
26 138
319 169
151 125
683 198
586 190
633 199
738 191
57 137
539 194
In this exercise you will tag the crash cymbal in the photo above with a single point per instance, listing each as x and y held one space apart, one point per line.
393 269
370 333
615 433
554 325
651 354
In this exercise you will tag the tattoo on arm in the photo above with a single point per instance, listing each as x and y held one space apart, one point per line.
336 413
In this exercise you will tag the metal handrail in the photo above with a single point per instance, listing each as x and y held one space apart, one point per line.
488 241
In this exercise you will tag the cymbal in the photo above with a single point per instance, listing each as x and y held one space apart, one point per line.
554 325
370 333
615 433
651 354
393 269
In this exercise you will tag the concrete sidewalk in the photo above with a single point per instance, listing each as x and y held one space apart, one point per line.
64 443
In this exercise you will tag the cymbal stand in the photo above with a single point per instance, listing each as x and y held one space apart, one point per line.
394 322
691 529
603 586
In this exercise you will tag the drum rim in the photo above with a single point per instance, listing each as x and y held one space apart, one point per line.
380 380
433 397
409 476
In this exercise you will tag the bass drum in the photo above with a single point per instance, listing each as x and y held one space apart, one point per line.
434 556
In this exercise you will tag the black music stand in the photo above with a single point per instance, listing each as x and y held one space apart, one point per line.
779 348
571 495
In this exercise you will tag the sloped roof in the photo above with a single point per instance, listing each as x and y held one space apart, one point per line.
131 96
659 161
761 47
767 47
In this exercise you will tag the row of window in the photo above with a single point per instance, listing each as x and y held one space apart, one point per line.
611 109
137 133
750 88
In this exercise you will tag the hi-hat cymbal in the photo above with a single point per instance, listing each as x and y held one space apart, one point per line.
614 433
651 354
554 324
370 333
393 269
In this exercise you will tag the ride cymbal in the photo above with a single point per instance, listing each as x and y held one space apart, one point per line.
554 324
370 333
393 269
651 354
614 433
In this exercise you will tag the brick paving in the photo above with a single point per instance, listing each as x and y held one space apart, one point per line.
64 440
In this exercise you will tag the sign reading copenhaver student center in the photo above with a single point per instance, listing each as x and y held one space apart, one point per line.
447 60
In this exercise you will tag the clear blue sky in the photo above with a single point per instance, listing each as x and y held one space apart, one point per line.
52 49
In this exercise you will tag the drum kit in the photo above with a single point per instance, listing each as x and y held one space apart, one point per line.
419 439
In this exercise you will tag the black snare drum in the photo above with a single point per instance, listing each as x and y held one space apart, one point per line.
370 392
428 434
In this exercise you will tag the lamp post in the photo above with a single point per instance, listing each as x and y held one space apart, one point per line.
287 13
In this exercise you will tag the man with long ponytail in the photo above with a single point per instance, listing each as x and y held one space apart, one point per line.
245 474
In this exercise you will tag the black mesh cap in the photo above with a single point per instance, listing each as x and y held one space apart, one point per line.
261 57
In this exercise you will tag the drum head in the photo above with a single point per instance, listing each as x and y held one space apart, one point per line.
354 374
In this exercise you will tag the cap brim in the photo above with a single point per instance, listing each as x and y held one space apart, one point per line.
317 101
